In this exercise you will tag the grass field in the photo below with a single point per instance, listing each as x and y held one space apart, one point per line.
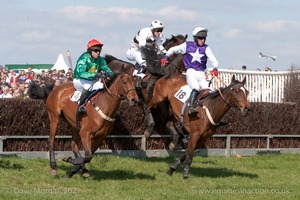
258 177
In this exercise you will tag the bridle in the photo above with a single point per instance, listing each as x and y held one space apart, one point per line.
231 88
118 96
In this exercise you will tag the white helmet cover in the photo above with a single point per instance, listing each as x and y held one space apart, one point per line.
156 24
198 29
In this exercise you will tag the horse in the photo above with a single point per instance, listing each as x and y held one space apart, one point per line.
95 126
153 65
211 110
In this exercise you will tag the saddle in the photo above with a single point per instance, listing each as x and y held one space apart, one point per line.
203 93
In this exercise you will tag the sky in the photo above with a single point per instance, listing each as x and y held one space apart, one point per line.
36 32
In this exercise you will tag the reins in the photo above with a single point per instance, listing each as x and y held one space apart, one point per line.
220 92
114 95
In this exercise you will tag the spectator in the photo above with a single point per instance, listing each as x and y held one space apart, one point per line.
244 67
22 76
13 77
5 93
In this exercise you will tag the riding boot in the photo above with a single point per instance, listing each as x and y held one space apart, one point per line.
138 82
192 110
82 102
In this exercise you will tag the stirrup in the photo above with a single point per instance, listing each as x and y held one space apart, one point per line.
81 109
193 112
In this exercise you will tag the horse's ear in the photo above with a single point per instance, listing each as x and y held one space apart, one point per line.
186 36
123 69
233 79
244 80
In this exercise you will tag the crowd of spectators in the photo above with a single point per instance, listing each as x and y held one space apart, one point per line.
15 83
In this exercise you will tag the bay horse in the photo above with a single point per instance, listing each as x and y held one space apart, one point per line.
95 126
211 111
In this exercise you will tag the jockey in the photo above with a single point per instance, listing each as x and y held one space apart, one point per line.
90 67
195 58
147 36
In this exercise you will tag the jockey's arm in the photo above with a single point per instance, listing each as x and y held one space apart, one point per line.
212 57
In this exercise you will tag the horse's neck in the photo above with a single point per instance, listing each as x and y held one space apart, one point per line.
109 100
176 63
217 107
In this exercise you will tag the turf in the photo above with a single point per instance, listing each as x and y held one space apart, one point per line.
114 177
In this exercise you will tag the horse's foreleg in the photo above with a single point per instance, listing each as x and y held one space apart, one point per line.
77 154
189 154
188 162
150 124
79 162
53 126
175 165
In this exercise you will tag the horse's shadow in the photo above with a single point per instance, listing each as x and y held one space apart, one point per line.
219 172
9 165
113 174
212 172
119 175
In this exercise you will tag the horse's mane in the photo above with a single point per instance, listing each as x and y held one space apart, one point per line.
109 58
179 36
222 89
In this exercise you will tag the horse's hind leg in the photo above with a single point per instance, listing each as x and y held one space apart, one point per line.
54 119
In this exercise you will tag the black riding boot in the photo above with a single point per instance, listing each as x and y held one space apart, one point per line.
138 80
192 111
82 102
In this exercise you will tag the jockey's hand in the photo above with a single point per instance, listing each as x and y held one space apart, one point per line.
164 61
101 75
98 75
215 72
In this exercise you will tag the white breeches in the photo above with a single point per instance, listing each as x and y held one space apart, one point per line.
196 79
135 54
83 84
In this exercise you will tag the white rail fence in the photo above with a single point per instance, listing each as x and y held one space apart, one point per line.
262 86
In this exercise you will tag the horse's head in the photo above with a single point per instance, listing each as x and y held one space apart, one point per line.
174 41
127 87
239 95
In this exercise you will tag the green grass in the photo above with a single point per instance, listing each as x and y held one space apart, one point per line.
258 177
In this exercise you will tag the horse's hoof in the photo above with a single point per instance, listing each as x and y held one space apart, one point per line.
172 146
169 173
86 175
67 159
185 176
67 176
54 173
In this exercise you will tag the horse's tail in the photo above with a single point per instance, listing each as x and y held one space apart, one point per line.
36 91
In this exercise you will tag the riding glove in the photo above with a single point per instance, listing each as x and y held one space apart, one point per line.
215 72
164 61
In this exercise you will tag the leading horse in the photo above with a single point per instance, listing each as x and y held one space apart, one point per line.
95 126
211 111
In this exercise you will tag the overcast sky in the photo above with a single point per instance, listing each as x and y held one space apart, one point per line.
35 32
